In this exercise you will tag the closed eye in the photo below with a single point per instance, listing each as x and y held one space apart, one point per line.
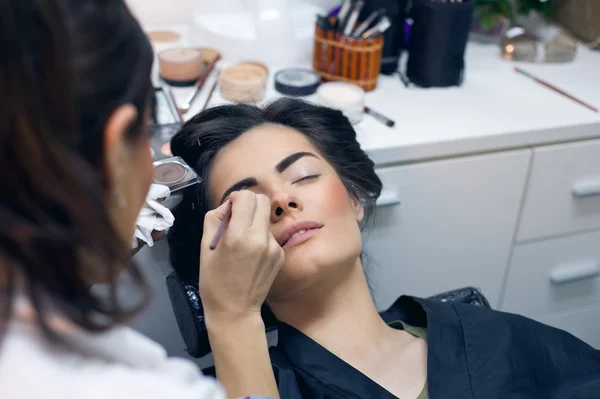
306 178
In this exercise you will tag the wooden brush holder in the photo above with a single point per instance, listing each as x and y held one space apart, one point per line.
348 59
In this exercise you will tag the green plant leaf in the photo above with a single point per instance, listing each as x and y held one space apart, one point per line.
506 9
488 19
501 8
524 7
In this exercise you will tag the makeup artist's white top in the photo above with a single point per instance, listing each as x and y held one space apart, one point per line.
118 364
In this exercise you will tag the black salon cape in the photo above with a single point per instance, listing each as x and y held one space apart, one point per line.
473 353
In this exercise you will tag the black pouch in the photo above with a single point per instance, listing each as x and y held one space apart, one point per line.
437 42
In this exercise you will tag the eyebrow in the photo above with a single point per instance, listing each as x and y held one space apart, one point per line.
280 168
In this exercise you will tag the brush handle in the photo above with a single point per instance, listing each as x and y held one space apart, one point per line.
381 118
201 80
212 90
221 229
556 89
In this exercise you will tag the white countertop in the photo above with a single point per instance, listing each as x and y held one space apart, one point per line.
495 109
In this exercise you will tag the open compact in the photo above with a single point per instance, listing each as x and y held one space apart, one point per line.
174 173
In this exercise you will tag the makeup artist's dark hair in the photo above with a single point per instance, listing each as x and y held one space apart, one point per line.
201 139
66 66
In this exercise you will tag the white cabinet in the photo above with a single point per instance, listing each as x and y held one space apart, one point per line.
554 275
446 224
563 194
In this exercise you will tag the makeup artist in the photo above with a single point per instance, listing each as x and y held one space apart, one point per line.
75 97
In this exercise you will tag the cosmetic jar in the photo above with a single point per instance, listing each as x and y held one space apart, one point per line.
243 83
346 97
181 66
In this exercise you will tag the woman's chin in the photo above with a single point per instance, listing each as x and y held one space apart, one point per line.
300 272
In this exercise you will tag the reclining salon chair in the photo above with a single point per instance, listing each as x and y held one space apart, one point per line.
190 317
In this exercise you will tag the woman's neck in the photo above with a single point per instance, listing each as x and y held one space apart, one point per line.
340 316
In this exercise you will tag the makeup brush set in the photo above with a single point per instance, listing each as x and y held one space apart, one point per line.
346 19
350 50
358 40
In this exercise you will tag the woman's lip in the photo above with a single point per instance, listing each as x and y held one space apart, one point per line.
302 238
294 227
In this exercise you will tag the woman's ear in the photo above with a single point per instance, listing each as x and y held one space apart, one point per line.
115 148
358 209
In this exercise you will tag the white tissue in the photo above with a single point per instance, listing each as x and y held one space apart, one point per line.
153 216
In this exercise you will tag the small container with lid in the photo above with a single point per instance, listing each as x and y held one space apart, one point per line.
346 97
244 82
181 66
297 82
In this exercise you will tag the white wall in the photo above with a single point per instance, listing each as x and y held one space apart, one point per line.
169 12
158 12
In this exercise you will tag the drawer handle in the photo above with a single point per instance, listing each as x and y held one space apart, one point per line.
387 198
568 274
587 189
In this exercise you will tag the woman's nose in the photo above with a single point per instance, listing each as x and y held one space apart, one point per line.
283 203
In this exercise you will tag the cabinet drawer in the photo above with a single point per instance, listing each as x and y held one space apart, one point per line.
554 275
444 225
582 323
563 195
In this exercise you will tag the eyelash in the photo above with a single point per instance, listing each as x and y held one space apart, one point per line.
311 177
306 178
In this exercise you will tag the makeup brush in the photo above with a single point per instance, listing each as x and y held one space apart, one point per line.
174 101
342 15
383 24
212 90
556 89
221 229
368 22
381 118
351 22
185 107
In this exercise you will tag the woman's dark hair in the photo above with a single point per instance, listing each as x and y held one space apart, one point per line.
66 66
201 139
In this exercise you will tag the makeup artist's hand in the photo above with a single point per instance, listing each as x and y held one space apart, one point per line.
235 278
156 236
237 275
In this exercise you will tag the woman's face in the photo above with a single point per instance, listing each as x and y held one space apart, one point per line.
306 194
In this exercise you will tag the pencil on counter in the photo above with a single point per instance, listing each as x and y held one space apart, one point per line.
381 118
554 88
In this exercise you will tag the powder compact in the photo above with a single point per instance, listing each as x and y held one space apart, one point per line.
174 173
